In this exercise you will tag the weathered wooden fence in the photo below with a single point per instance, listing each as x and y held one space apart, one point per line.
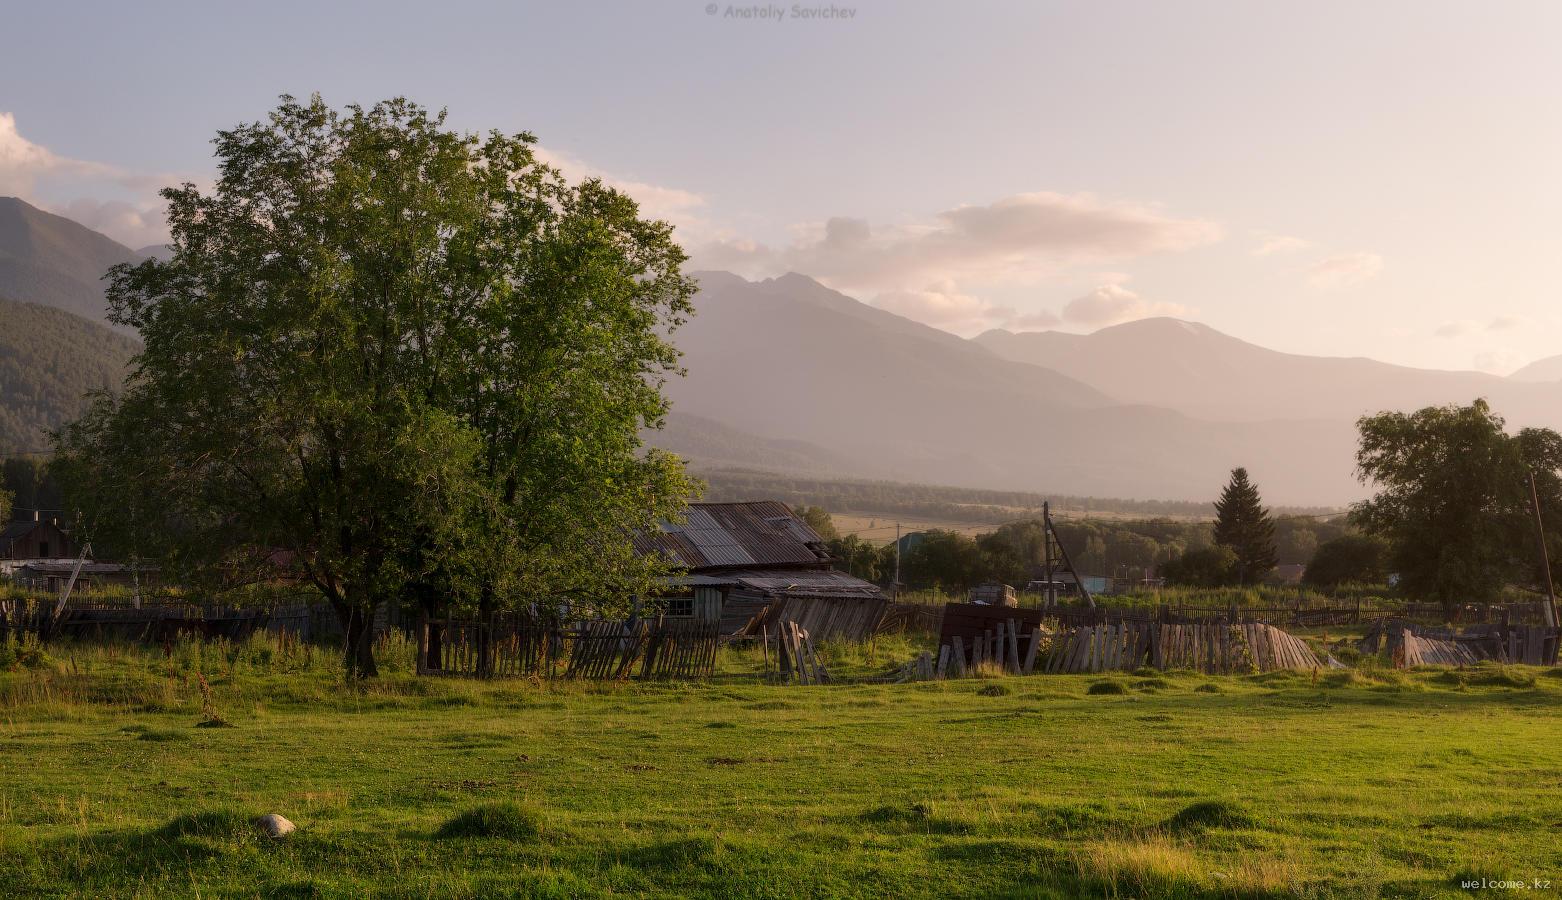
510 647
1413 644
1021 641
163 621
825 618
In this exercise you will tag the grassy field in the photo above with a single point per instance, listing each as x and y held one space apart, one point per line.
1359 784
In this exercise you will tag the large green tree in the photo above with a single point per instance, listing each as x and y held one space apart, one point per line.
1453 498
418 360
1243 525
1348 559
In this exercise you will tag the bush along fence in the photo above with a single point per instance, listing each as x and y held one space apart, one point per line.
513 647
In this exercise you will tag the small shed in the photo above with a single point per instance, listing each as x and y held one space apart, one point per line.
35 538
741 561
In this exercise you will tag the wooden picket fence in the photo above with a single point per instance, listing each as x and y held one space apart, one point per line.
602 650
1019 648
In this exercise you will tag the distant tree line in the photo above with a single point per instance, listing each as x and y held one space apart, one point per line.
950 504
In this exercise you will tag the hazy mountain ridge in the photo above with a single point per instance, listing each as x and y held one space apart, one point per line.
789 375
788 358
1195 369
52 261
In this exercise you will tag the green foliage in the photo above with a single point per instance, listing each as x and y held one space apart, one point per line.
863 559
1348 559
417 360
819 520
1207 567
946 560
49 361
1453 499
1243 525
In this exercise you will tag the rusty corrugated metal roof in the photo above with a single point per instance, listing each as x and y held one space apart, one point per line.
724 535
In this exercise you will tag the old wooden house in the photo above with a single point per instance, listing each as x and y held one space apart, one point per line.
742 561
33 539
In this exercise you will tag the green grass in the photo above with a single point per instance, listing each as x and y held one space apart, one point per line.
1382 783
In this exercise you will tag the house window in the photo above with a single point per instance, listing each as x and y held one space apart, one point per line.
43 549
678 607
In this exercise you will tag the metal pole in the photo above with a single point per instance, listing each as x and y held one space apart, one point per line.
897 560
1545 561
1046 539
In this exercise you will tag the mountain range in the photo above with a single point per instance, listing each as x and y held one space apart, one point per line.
788 375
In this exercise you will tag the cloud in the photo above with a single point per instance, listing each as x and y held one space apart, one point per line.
58 183
1505 323
1014 239
656 201
1280 243
942 306
1345 270
1463 327
1111 304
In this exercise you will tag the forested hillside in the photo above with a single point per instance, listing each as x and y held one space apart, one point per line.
53 261
49 359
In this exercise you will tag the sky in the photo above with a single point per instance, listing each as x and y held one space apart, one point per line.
1330 178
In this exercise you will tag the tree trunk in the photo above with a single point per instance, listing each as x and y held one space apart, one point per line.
485 615
358 641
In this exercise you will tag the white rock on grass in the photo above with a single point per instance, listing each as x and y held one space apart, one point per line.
276 826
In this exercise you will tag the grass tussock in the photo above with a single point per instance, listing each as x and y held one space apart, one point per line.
1110 686
504 820
994 690
1207 814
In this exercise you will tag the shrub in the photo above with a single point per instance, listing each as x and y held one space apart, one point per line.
508 821
1209 814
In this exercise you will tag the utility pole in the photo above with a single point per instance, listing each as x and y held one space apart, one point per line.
1545 561
1046 542
897 560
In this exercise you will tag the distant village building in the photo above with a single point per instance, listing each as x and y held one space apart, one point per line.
994 593
35 538
51 576
740 558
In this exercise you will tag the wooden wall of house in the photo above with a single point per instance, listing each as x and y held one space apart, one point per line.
44 541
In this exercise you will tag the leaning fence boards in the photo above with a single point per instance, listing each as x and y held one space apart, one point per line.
504 647
1208 647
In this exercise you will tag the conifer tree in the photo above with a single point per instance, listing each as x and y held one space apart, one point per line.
1242 524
